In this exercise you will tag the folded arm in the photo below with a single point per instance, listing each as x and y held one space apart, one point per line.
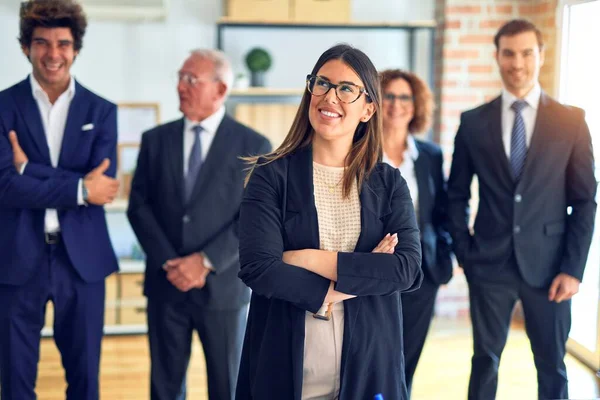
18 191
261 248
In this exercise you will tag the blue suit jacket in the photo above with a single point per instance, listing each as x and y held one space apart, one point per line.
278 214
528 218
24 198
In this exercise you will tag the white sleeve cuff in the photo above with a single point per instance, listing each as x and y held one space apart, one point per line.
22 171
80 193
207 262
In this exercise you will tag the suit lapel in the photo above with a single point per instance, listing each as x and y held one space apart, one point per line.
32 118
422 174
373 209
78 112
174 146
214 165
300 219
498 154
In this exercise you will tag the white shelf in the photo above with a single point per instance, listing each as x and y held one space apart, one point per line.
131 266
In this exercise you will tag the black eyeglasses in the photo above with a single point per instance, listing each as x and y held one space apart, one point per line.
404 98
346 92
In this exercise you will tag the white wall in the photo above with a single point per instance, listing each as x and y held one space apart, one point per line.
137 62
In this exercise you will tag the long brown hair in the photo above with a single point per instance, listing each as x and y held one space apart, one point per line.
366 144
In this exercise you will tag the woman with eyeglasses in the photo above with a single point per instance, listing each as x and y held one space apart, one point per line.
408 109
328 240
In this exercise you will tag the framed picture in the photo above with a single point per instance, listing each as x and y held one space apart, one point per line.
127 161
133 119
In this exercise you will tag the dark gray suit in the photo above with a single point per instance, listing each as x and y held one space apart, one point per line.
168 228
524 235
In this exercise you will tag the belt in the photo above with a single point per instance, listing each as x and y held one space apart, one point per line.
52 237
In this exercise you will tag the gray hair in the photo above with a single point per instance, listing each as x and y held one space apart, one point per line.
223 70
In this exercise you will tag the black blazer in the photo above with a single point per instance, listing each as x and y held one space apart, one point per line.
158 213
433 218
278 214
528 218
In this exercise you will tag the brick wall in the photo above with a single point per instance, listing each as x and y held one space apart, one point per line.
467 76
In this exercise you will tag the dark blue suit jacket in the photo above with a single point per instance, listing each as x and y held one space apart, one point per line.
24 198
529 217
433 217
278 214
168 228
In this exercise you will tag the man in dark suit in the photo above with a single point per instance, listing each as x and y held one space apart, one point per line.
57 163
534 162
183 207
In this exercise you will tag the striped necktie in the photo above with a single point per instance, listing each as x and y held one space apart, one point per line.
194 163
518 144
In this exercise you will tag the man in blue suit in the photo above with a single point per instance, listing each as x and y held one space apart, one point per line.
57 167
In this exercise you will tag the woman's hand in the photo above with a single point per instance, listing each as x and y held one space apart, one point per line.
387 244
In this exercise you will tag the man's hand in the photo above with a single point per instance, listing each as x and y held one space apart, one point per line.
101 188
188 272
19 156
563 287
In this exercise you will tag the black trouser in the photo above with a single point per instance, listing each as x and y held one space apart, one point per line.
493 296
170 328
417 312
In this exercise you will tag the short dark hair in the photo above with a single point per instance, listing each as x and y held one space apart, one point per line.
52 14
516 26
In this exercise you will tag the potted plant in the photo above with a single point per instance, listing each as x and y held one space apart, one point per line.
258 61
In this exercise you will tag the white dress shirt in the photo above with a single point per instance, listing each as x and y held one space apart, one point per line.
209 130
54 119
528 113
407 169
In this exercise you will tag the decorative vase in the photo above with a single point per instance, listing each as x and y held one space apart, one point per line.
257 79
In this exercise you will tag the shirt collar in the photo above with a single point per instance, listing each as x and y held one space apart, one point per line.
411 150
411 147
532 98
210 124
37 91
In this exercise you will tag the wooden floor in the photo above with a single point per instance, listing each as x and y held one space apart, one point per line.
443 372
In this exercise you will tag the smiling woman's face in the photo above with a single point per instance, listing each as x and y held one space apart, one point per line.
330 118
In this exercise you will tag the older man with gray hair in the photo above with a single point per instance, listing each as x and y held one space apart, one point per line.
183 207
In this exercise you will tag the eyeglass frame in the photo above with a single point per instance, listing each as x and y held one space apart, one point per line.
403 98
193 80
334 86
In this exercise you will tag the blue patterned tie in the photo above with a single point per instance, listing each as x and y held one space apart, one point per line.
194 163
518 144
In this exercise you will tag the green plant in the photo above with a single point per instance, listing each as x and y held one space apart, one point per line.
258 60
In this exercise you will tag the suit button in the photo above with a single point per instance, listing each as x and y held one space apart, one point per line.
186 218
517 229
518 198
